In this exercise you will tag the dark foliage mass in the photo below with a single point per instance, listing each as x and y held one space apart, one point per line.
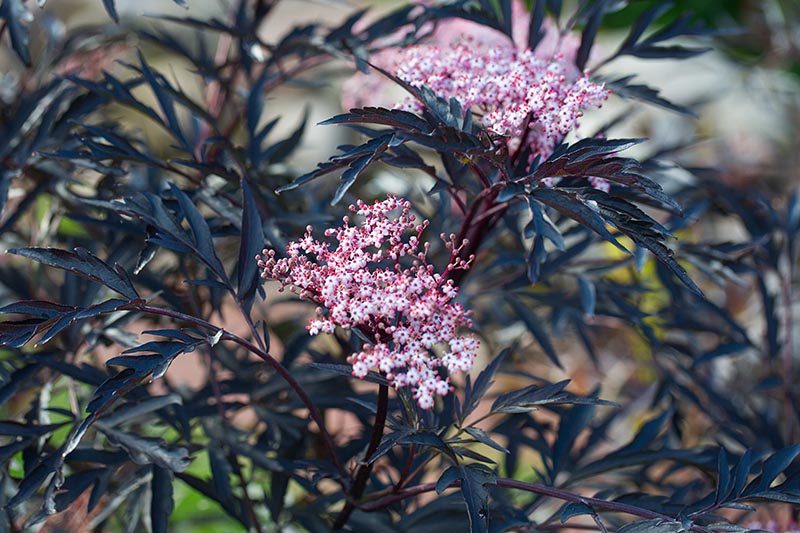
127 252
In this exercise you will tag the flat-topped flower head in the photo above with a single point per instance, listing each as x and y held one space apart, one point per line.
374 277
530 100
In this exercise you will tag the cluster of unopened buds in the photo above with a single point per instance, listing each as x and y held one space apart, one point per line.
376 279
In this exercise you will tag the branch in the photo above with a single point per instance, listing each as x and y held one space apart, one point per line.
536 488
271 361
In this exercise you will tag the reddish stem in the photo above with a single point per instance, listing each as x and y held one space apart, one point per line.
361 475
535 488
404 474
476 225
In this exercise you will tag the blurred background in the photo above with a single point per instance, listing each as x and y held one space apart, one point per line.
746 93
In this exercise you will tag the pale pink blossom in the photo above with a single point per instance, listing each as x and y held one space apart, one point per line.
774 526
407 309
530 101
529 98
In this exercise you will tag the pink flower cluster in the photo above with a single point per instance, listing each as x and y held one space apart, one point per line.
774 526
379 282
514 92
533 98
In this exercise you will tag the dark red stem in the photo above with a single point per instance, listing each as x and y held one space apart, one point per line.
474 228
361 475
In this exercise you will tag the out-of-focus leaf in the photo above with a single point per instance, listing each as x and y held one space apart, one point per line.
165 100
139 409
596 13
536 329
623 88
15 429
574 509
572 423
15 15
161 504
650 46
111 9
145 450
588 294
655 525
221 471
282 149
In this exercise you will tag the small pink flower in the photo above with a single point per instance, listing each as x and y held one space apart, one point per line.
516 94
407 309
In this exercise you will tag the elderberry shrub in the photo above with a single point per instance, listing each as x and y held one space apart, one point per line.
157 375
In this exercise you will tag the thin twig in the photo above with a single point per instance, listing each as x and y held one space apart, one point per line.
406 469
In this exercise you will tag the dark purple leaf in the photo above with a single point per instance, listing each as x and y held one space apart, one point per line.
588 294
13 13
252 242
37 308
772 467
145 450
281 149
574 509
642 23
161 503
535 31
473 394
401 120
623 88
202 240
162 90
16 429
536 329
655 525
571 205
83 263
221 472
484 438
597 12
474 479
447 478
111 9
